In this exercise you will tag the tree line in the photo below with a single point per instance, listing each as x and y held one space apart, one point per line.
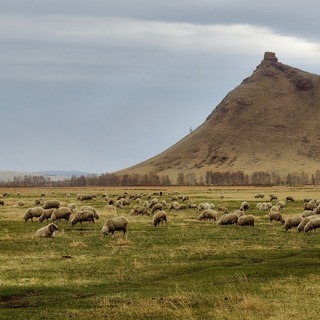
210 178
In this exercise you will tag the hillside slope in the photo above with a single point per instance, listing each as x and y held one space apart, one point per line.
267 123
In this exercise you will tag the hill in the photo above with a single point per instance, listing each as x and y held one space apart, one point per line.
268 123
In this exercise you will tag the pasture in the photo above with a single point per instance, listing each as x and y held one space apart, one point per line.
188 269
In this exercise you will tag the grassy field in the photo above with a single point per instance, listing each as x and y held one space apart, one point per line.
188 269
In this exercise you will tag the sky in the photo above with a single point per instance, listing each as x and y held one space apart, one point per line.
101 85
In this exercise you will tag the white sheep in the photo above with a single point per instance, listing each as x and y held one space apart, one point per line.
115 224
244 206
228 218
95 213
31 213
46 214
160 216
81 216
275 216
246 220
138 209
304 222
47 231
292 222
208 214
61 213
51 204
312 225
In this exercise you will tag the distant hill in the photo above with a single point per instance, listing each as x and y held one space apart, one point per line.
53 175
270 123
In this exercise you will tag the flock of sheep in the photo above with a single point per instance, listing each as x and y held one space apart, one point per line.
52 210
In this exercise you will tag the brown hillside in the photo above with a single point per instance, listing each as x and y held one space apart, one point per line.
270 122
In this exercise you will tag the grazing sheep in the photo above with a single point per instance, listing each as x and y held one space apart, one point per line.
276 216
304 221
208 214
312 225
247 220
20 203
311 205
275 208
156 207
49 204
115 224
46 214
110 208
83 197
205 206
292 222
61 213
138 209
244 206
95 213
1 203
307 213
153 202
259 195
289 198
47 231
192 205
175 206
72 206
81 216
159 217
317 210
281 204
31 213
222 208
273 197
228 218
239 213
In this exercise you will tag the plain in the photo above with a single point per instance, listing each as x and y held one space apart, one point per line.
186 269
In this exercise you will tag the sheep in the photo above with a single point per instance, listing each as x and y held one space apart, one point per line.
307 213
175 206
311 205
312 225
47 231
275 208
46 214
83 197
72 206
61 213
110 208
292 222
259 195
205 206
276 216
304 222
38 202
153 202
228 218
208 214
81 216
1 203
244 206
281 204
95 213
246 220
317 210
222 208
159 217
273 197
115 224
239 213
31 213
289 198
138 209
49 204
20 203
156 207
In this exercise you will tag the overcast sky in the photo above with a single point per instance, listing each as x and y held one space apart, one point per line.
101 85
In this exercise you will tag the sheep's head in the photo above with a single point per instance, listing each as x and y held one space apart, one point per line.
53 227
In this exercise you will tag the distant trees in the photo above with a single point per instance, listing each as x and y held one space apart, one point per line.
210 178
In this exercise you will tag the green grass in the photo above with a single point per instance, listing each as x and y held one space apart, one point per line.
185 270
